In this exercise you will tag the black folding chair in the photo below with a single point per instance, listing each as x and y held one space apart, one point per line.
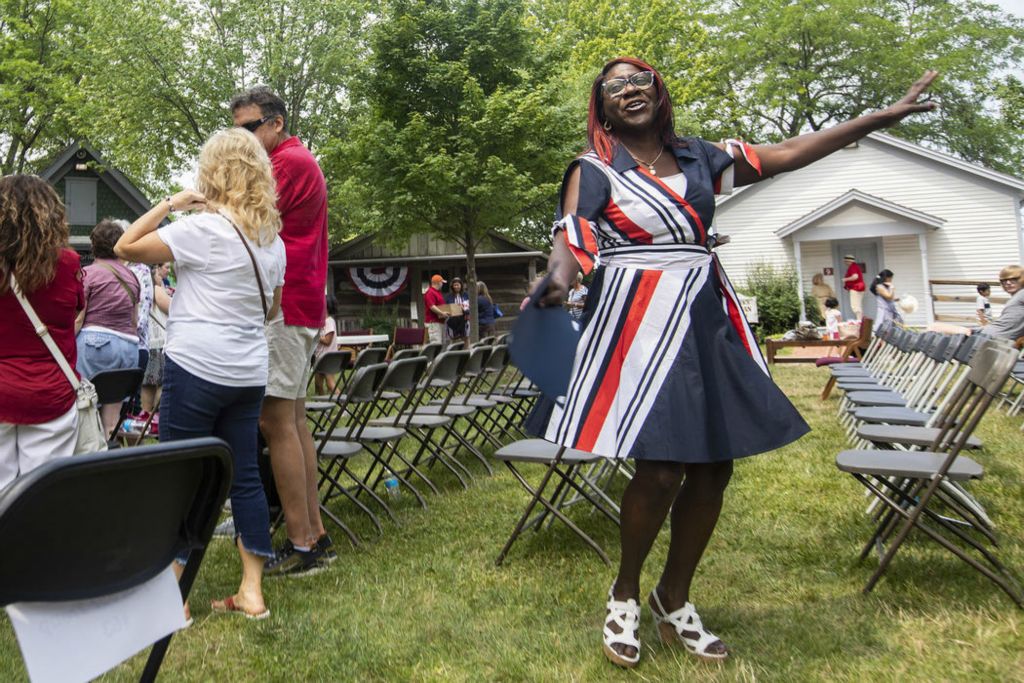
906 482
334 452
156 501
562 463
115 386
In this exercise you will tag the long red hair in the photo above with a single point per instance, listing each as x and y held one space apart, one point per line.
603 141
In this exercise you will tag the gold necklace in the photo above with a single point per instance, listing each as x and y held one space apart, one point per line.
650 166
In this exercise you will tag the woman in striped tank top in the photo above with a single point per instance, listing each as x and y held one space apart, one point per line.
667 371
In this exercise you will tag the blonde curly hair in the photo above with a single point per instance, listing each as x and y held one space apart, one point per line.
235 175
33 230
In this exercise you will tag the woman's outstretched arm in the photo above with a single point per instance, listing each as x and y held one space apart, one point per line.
802 150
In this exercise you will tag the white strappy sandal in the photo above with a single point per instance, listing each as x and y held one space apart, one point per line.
676 627
625 615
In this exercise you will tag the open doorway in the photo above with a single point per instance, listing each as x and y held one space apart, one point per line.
866 253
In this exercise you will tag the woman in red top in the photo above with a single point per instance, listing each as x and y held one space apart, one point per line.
38 420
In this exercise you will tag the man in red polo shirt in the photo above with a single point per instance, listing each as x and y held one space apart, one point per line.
292 334
853 282
433 313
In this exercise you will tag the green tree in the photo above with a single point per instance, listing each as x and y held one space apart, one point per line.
798 65
671 35
163 72
42 44
460 132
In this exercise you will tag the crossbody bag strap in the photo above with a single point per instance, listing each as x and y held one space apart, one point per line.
255 267
131 296
44 333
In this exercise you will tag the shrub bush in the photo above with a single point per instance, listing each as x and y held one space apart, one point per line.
381 318
778 306
811 310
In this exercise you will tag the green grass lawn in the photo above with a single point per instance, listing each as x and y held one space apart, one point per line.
780 584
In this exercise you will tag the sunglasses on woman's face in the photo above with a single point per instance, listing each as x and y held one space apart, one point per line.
641 80
251 126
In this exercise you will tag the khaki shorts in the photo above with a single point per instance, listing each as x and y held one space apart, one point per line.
435 332
290 348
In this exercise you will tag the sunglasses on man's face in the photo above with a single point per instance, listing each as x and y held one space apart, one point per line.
251 126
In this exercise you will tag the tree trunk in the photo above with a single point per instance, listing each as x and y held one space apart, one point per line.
474 318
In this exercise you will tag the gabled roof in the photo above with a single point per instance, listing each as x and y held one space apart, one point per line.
856 197
949 160
930 154
124 188
348 252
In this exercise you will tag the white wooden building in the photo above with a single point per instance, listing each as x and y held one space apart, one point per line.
893 204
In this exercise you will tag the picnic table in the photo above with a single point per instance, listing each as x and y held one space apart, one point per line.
357 340
773 345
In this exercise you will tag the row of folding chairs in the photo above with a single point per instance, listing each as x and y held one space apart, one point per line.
406 419
910 408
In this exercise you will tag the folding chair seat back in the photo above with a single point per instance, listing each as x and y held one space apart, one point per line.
365 382
475 363
114 386
457 346
403 375
486 341
371 355
937 351
991 365
965 351
501 339
360 394
103 523
498 360
447 368
332 362
405 353
431 350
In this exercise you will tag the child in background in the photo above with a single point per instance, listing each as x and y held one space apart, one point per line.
833 316
326 343
984 308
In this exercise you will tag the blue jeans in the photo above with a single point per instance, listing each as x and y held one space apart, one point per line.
192 407
101 351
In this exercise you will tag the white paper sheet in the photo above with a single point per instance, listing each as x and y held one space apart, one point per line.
79 640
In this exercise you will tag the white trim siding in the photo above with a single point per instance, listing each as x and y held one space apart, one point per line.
963 216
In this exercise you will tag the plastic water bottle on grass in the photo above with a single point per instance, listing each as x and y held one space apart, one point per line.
391 486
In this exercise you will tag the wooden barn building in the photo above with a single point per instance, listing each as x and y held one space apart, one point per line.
378 285
92 190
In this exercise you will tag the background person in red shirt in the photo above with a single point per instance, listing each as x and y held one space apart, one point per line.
292 335
433 315
38 418
853 282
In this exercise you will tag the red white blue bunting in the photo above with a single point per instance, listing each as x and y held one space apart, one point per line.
379 283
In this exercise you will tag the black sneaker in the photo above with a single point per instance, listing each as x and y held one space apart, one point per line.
289 561
326 547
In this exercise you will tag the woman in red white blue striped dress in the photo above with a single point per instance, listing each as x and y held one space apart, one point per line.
667 371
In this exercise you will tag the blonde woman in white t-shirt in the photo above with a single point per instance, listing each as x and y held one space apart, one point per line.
229 263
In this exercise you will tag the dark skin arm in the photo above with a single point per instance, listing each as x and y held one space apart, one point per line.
788 155
794 153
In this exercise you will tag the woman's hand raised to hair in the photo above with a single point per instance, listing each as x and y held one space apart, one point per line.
911 103
188 200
